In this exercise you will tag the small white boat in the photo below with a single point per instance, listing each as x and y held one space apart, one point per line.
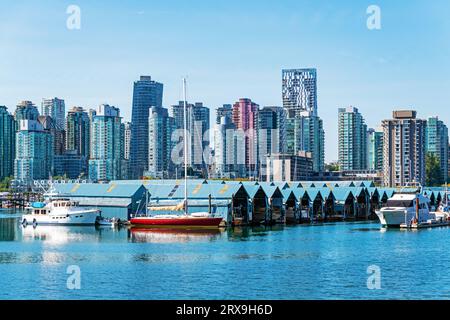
107 222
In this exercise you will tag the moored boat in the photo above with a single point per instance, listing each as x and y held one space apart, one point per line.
59 212
193 220
175 218
107 222
403 208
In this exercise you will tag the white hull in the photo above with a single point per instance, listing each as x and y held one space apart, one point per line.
79 218
391 218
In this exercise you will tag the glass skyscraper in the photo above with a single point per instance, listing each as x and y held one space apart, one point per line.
352 140
375 146
198 125
304 128
7 143
312 140
106 156
55 108
59 136
34 152
161 127
26 110
225 111
299 88
78 131
437 143
271 135
146 94
245 118
224 148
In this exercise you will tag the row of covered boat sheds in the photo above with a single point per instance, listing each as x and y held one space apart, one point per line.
239 202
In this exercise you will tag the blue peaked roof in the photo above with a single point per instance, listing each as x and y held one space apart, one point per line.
195 191
314 193
341 194
222 189
300 193
110 190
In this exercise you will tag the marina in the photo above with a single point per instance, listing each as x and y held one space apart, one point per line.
327 261
305 240
245 203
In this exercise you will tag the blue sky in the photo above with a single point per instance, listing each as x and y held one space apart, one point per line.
230 49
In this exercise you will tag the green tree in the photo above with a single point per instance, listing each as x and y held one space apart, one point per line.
332 167
433 170
5 184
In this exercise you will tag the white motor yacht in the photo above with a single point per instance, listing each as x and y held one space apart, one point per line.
59 212
403 208
56 210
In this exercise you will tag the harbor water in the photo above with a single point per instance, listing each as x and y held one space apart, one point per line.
331 261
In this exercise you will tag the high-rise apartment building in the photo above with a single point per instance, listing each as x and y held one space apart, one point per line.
271 134
404 149
225 111
352 140
26 110
437 142
198 126
160 130
127 140
304 128
7 143
225 154
78 128
106 156
147 93
71 165
49 124
34 152
245 118
306 134
55 108
299 88
375 147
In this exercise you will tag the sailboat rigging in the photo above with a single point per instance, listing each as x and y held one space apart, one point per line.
197 219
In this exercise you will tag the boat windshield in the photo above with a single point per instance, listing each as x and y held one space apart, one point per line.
400 203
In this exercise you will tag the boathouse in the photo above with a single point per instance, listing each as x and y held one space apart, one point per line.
243 202
113 199
216 198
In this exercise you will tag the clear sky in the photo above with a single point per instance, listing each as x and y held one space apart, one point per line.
230 49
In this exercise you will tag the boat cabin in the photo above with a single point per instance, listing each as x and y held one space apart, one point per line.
40 208
408 201
64 203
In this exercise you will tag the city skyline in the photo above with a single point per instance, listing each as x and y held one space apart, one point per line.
378 71
213 118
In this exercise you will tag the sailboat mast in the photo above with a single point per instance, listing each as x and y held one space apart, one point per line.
146 202
185 147
446 193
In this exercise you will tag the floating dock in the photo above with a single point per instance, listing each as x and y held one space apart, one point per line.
425 225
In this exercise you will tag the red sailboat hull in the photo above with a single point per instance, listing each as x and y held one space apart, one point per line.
177 222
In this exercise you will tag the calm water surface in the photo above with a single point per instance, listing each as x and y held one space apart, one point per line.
301 262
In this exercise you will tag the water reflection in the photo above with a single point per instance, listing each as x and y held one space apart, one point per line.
58 235
8 229
149 235
246 233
